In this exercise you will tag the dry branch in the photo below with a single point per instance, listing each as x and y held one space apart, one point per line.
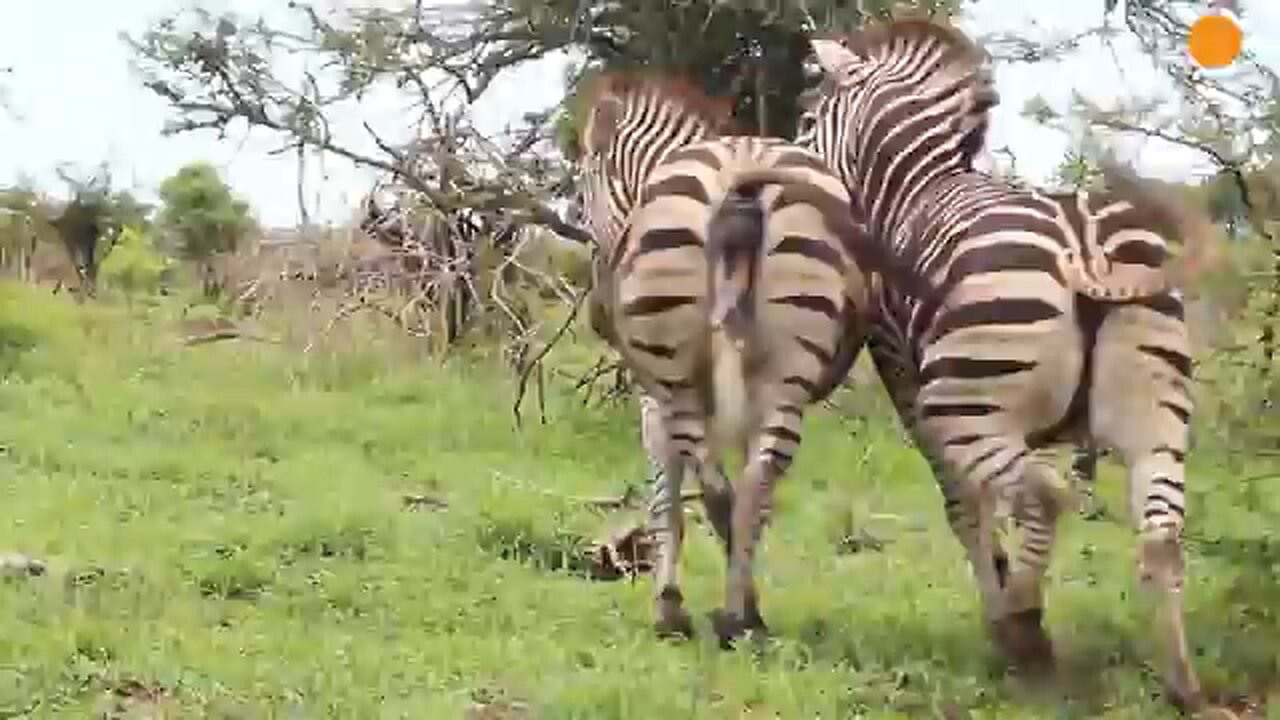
536 362
220 335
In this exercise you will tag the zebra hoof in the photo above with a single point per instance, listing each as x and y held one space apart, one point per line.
1021 637
729 628
674 625
673 621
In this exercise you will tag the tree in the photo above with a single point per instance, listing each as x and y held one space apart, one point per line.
217 70
24 224
89 222
202 219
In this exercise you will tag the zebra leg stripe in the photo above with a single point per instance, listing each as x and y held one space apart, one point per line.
1036 511
775 448
717 493
961 513
666 520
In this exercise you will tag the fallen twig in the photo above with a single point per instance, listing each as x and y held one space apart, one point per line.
417 501
219 335
624 552
630 500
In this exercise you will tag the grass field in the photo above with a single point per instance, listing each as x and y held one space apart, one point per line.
227 536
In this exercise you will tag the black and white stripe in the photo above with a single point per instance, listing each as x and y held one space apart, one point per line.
1052 318
732 293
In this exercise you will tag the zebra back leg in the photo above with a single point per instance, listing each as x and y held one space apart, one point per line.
1141 406
767 462
960 510
1036 509
717 493
1014 616
1012 595
685 448
989 390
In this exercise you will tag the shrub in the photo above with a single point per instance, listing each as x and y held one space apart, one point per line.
135 266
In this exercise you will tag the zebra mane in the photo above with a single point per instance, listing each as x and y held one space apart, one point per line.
961 52
716 112
961 57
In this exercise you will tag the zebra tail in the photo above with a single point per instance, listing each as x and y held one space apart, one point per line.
867 251
735 246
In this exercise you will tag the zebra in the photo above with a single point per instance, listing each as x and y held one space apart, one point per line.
1051 320
679 115
733 291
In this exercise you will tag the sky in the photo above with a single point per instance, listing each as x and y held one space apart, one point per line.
81 104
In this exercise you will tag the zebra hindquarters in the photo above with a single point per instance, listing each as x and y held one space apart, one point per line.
804 314
1003 360
1141 403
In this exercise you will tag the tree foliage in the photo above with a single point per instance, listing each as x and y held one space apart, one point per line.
201 218
754 52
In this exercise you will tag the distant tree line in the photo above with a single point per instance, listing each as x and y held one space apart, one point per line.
100 228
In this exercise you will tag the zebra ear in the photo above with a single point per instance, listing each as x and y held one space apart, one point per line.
836 60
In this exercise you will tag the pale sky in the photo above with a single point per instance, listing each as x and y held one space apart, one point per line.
74 100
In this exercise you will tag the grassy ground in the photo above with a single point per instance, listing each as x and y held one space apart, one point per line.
227 537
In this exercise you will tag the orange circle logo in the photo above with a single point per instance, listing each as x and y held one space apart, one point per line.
1214 41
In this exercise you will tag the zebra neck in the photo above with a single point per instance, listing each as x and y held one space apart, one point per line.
896 203
648 149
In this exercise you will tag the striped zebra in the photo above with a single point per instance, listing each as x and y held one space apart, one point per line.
731 292
676 115
1053 319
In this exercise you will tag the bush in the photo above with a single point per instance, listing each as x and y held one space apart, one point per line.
135 266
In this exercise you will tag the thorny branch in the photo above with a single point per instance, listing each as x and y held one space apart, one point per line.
536 362
220 72
223 72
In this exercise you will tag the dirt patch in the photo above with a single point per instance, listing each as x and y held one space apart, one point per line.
131 699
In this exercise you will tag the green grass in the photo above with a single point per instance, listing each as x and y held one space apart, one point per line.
225 525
